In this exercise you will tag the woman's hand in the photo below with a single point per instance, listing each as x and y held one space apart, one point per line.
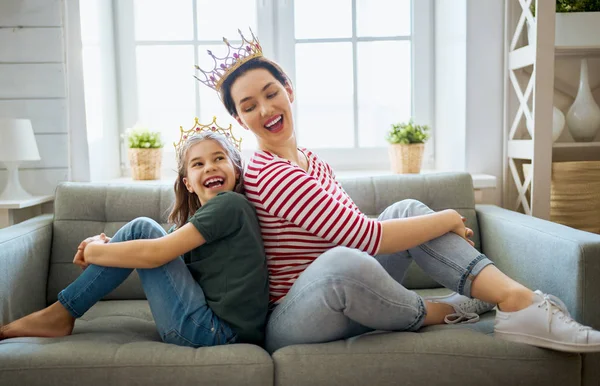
461 230
79 255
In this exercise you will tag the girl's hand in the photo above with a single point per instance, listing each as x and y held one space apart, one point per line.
79 255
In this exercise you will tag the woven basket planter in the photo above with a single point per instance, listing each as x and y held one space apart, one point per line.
145 163
574 194
406 158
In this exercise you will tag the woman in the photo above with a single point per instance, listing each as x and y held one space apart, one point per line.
330 264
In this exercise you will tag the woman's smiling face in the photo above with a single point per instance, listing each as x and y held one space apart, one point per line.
263 106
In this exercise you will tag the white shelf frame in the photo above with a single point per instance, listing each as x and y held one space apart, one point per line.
540 55
533 193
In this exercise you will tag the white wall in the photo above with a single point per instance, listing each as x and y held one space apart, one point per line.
37 76
469 88
485 91
33 85
450 84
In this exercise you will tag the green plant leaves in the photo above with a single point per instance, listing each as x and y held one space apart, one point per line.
142 138
407 133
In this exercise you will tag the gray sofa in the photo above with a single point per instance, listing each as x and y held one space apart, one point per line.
115 343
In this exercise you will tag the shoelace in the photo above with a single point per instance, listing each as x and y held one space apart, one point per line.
554 306
460 316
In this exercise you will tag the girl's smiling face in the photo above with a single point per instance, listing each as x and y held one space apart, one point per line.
209 170
263 106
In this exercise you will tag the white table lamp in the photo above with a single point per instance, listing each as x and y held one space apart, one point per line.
17 144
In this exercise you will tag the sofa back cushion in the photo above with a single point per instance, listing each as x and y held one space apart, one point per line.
87 209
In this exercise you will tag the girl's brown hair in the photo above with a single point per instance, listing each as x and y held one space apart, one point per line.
260 62
186 203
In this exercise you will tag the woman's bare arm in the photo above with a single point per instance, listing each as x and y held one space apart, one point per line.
406 233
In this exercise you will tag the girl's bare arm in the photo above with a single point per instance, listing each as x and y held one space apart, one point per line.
150 253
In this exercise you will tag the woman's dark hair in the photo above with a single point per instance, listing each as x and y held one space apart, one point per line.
260 62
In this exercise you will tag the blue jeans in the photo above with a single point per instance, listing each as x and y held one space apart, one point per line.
346 292
176 300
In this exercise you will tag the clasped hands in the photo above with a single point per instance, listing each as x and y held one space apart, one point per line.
80 256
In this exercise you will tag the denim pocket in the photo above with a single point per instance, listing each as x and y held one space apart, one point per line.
226 334
174 337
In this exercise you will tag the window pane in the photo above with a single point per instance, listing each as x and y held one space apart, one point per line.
324 95
166 91
218 19
93 92
383 17
323 19
211 106
384 89
161 20
89 12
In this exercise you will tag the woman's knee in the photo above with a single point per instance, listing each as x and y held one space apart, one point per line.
345 261
409 208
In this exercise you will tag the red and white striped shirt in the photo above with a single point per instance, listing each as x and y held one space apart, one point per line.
302 215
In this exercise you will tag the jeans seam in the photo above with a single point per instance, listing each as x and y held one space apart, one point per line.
440 258
420 317
92 281
465 276
190 317
352 281
195 345
67 305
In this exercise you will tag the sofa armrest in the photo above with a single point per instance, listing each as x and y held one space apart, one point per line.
544 255
24 259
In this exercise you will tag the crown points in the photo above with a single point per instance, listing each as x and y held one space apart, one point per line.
235 57
212 127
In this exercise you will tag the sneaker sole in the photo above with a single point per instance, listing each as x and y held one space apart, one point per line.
546 343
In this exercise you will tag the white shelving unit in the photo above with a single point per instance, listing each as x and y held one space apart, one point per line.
535 60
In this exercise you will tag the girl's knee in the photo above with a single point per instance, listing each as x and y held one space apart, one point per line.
145 226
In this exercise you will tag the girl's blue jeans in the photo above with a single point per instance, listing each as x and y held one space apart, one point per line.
346 292
176 300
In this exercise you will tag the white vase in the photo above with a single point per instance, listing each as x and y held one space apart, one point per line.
558 124
583 117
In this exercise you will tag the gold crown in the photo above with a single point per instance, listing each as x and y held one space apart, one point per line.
211 127
236 56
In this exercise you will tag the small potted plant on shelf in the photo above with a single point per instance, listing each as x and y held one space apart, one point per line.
144 152
577 23
407 143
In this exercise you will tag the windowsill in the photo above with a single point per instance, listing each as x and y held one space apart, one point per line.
480 181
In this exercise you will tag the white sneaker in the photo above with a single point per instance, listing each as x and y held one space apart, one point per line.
546 323
467 310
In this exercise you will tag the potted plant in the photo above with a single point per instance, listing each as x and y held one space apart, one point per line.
144 153
577 23
407 143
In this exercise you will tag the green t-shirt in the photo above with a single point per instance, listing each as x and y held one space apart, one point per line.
231 267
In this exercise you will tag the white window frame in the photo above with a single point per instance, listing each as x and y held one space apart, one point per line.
275 19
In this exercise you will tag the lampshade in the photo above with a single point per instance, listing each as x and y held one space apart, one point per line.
17 141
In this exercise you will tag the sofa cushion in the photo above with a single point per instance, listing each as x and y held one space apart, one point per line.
453 355
441 355
116 343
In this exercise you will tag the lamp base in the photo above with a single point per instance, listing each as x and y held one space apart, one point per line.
13 190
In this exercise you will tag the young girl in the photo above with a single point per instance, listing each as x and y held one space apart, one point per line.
328 260
216 293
